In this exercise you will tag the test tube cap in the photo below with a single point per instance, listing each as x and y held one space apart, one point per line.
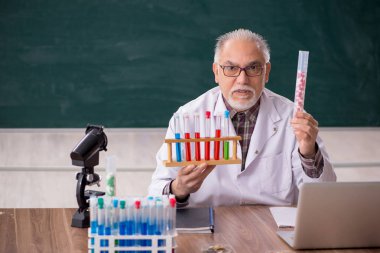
115 202
137 204
208 114
101 203
226 114
172 202
122 204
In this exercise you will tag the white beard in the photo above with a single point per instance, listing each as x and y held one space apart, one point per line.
243 106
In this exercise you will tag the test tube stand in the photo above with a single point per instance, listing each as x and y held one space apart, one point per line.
221 161
168 241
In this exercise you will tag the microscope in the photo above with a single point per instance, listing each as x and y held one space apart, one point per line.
86 155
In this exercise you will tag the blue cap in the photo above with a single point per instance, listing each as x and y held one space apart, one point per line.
226 114
115 202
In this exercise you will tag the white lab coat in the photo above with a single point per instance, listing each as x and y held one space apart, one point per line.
273 171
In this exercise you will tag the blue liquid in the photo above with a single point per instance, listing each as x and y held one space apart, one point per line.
102 241
151 229
144 231
130 229
122 231
178 147
101 230
108 232
94 226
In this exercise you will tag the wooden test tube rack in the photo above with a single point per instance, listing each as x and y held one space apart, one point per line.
231 160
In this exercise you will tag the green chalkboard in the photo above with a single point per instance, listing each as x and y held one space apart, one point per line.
132 63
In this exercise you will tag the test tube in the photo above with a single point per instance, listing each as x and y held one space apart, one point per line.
226 144
186 119
107 220
123 222
299 97
130 224
159 219
152 218
197 135
144 222
101 220
93 214
115 216
165 227
137 220
172 215
207 135
93 218
159 216
218 122
177 134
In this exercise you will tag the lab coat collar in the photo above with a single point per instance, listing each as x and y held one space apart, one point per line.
220 106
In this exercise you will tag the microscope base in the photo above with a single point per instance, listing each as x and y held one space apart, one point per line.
81 219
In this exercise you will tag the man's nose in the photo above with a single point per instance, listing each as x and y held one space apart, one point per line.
242 78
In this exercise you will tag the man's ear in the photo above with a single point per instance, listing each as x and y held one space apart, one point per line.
267 71
215 69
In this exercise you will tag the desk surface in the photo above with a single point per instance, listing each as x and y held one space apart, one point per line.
244 228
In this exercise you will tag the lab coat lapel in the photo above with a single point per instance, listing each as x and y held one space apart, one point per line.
266 126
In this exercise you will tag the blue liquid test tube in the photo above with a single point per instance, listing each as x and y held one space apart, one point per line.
130 224
115 218
159 219
152 218
159 216
122 223
177 135
144 222
101 222
93 218
108 218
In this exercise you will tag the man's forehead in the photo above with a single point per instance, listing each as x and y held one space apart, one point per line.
236 50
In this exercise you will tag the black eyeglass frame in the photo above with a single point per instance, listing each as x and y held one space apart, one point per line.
242 69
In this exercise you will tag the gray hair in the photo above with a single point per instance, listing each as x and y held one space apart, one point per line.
242 34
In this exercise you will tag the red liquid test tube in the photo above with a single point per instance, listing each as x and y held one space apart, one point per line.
197 136
207 135
186 119
218 120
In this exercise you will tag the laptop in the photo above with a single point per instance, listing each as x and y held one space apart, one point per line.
336 215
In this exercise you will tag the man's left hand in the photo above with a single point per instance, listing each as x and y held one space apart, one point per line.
305 128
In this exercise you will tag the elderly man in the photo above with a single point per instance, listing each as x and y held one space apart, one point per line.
278 151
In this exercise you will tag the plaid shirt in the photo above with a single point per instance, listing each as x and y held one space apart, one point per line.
244 123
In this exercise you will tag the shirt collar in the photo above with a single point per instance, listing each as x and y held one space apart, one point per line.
250 114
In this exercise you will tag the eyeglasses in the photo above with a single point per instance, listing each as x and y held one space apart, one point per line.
234 71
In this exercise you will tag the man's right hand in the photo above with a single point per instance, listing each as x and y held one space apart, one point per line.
190 179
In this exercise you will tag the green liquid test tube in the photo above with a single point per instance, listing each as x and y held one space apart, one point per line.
226 150
226 144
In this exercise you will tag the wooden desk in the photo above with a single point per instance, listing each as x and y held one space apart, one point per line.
245 228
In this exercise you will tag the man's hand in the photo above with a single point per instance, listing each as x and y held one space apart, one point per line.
306 130
190 179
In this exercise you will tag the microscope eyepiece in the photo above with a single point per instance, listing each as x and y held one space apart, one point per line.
86 151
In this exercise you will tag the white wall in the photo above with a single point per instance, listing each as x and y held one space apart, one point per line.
36 170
